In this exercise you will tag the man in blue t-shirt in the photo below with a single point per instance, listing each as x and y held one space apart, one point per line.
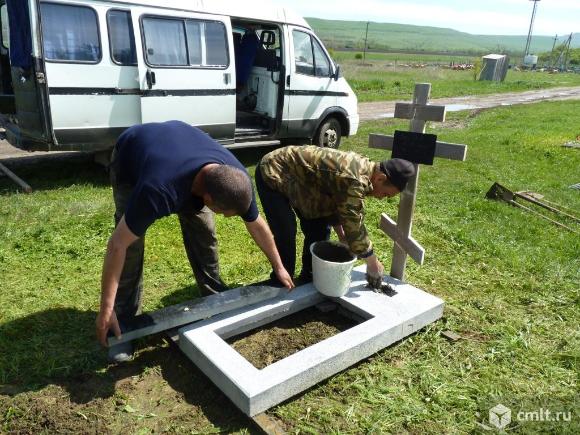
160 169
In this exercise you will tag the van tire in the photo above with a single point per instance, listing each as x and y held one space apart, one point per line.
329 134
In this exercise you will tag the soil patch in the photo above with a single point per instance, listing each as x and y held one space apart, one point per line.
277 340
160 390
331 251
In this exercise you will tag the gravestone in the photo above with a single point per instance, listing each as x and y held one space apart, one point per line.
387 319
418 112
495 67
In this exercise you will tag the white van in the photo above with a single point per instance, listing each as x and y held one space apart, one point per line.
74 74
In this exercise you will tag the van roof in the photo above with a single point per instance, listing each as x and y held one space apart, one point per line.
261 10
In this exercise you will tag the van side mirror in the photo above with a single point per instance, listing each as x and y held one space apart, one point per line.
267 38
337 72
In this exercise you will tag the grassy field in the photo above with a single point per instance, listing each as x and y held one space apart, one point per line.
401 58
393 77
391 36
510 281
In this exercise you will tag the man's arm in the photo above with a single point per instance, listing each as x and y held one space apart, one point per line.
340 234
351 213
117 246
263 237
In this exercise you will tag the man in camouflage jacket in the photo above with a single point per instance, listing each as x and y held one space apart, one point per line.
324 187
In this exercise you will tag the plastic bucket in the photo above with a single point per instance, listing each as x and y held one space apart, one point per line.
332 265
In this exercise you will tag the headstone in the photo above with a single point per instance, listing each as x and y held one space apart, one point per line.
495 67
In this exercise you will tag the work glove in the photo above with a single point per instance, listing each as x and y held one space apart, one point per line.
375 279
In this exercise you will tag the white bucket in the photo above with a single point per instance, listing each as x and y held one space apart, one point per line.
332 265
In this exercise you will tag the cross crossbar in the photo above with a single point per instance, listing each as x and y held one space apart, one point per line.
420 111
446 150
408 244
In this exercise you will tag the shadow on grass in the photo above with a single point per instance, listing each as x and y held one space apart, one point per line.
57 347
54 171
56 343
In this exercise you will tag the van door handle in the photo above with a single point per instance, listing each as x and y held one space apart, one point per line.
150 77
227 77
287 80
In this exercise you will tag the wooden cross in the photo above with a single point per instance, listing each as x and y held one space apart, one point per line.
419 112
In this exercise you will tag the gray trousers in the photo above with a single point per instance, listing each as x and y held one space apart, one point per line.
199 239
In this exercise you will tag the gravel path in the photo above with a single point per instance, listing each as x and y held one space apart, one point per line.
385 109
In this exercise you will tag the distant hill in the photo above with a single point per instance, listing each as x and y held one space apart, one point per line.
405 37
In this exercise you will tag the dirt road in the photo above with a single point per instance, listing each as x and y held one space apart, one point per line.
385 109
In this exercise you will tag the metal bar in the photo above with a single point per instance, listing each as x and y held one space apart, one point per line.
15 178
546 206
560 206
512 202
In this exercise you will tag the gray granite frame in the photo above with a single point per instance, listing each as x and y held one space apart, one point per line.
389 318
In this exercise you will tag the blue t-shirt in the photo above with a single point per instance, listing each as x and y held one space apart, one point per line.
161 160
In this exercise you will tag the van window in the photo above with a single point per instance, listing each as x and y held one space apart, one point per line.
70 33
165 42
194 30
309 56
216 46
185 42
321 62
121 37
303 53
5 26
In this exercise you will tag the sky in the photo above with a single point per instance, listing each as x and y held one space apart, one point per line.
484 17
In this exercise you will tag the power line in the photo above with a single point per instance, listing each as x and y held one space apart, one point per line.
529 40
365 47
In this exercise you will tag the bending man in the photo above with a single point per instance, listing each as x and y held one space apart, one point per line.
159 169
325 187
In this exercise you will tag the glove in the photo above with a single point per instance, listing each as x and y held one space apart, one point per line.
375 280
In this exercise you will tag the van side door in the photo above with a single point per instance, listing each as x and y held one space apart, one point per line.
25 77
91 76
6 89
310 88
186 70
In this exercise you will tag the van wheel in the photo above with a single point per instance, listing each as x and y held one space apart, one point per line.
329 134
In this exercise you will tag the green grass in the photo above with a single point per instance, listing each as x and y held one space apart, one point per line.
510 281
393 77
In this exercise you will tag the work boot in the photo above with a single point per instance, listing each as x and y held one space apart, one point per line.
207 290
120 353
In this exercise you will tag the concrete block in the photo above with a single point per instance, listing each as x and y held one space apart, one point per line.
388 319
194 310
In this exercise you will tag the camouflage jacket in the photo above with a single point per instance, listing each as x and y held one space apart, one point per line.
324 182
